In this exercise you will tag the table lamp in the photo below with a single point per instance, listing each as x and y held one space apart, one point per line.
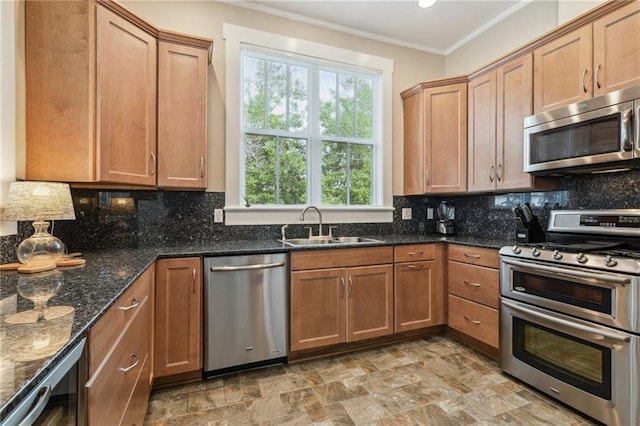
40 202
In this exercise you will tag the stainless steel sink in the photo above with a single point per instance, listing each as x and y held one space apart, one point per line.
333 241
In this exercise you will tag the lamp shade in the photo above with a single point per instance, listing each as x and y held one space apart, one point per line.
39 201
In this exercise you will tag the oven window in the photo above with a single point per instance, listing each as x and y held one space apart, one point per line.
593 298
597 136
577 362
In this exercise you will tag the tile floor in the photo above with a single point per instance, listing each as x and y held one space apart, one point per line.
434 381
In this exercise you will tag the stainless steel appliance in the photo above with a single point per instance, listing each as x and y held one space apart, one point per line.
246 301
599 134
446 214
59 398
570 312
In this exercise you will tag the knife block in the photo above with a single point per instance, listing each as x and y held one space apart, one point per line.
532 233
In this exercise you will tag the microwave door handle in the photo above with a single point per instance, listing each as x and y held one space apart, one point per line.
571 273
627 129
589 333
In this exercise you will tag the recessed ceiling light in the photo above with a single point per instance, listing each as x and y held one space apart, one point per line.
426 3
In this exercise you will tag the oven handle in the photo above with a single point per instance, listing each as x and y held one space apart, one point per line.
570 272
596 335
39 406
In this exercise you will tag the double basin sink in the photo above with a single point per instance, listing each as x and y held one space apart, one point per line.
332 241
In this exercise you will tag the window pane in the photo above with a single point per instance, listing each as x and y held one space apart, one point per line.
346 106
277 95
334 173
253 92
260 169
298 99
360 175
364 103
327 83
293 171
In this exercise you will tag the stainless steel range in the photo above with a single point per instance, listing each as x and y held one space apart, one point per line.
570 312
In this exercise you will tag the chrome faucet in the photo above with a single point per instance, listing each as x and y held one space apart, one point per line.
319 218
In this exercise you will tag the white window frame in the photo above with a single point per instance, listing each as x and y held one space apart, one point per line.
238 214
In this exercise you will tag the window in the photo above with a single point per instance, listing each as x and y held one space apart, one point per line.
306 126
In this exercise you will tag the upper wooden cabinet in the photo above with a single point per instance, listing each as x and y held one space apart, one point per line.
435 137
616 49
600 57
92 98
182 114
499 100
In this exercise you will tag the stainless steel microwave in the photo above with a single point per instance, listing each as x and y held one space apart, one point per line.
600 134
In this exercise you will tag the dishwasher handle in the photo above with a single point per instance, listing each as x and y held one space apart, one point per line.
246 267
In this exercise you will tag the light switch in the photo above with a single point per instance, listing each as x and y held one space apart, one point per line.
218 215
406 213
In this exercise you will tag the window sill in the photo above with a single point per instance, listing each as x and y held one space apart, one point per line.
238 215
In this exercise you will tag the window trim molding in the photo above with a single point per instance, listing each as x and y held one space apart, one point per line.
236 214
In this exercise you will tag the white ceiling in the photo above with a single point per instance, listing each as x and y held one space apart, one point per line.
439 29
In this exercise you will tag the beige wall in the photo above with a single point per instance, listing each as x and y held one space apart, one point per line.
206 19
531 21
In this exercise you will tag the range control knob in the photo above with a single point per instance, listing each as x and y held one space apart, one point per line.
582 258
516 249
610 261
557 255
535 252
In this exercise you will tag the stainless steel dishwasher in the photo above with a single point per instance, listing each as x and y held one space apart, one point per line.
245 312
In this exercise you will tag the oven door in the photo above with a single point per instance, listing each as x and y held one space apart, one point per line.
603 297
59 399
587 366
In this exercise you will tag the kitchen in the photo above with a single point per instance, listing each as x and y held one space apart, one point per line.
167 217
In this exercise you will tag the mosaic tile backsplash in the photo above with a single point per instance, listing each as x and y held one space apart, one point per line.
106 219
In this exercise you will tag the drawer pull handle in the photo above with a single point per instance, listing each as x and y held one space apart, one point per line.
476 322
132 366
342 286
415 253
350 287
416 266
135 304
470 284
194 280
202 167
473 256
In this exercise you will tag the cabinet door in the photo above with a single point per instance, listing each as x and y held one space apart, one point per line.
178 319
616 49
126 99
369 302
419 295
562 70
482 133
445 135
514 103
182 116
317 308
414 159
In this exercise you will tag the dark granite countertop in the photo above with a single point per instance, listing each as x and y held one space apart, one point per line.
81 295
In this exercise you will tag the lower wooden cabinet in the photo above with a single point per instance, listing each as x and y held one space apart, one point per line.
178 316
119 357
473 295
419 287
340 304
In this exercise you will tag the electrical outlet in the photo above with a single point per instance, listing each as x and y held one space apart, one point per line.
406 213
218 215
429 213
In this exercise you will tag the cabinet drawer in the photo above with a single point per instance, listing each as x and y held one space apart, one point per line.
415 252
474 255
138 403
473 319
475 283
320 259
109 391
104 334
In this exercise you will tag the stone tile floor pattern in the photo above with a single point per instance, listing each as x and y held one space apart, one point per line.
434 381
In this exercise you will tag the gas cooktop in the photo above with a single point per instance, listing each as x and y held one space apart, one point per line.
593 239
